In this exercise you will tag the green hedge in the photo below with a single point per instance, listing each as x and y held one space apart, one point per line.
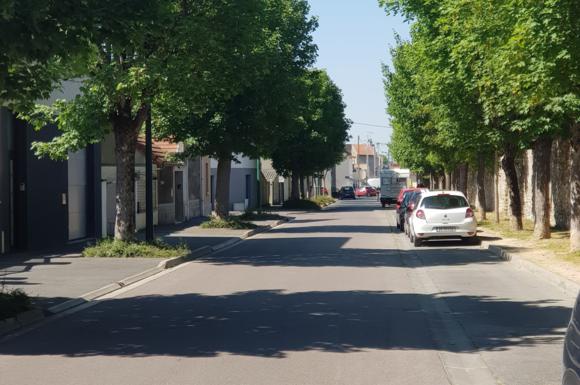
110 248
228 223
315 203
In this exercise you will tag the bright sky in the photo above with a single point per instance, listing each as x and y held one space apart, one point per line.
353 40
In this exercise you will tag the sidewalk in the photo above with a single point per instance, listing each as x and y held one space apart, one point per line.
58 276
528 252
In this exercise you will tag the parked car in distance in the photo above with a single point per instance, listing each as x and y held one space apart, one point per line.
409 208
346 192
401 206
366 191
404 195
442 215
361 192
572 348
371 191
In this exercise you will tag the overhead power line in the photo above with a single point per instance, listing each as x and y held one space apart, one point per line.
369 125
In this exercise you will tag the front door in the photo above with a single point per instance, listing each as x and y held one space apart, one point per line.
179 209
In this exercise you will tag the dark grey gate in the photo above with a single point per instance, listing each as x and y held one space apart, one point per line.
179 210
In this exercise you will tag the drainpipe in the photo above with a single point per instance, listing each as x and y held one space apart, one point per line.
258 174
149 235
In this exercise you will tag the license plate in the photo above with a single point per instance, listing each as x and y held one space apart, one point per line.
444 228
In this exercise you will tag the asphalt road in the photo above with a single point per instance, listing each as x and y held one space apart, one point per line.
335 297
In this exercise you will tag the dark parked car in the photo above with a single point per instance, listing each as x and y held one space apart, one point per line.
346 192
572 348
410 206
402 208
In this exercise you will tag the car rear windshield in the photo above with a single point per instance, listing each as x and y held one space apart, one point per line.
347 188
444 202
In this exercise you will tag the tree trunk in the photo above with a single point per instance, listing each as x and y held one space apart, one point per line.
295 189
542 159
125 145
481 186
455 179
560 176
575 189
463 170
508 164
447 180
302 187
222 194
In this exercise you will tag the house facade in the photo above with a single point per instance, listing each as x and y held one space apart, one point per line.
367 162
243 183
181 189
45 203
275 188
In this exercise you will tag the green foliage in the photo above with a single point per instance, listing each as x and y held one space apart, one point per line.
271 44
110 248
315 133
13 302
235 223
323 200
478 75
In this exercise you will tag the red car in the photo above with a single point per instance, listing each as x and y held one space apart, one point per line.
403 191
366 191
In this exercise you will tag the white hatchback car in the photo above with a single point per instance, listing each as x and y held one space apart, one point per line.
442 215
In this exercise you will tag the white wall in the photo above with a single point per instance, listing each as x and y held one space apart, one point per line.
244 162
344 170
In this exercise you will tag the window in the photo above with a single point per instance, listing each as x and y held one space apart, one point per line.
444 202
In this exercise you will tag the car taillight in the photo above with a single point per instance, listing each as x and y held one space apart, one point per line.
469 213
420 214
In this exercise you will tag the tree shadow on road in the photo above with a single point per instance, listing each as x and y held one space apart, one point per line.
272 323
332 251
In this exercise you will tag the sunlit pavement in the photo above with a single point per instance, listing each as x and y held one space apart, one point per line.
334 297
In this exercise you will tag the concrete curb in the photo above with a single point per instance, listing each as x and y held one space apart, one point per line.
563 283
32 316
328 207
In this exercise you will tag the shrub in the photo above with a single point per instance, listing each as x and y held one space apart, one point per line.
323 200
260 216
13 302
110 248
227 223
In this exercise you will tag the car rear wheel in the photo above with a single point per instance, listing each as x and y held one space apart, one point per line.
416 241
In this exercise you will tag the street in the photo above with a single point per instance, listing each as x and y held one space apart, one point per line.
334 297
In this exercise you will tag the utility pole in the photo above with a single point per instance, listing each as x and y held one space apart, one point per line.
357 163
149 236
496 187
259 192
368 165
